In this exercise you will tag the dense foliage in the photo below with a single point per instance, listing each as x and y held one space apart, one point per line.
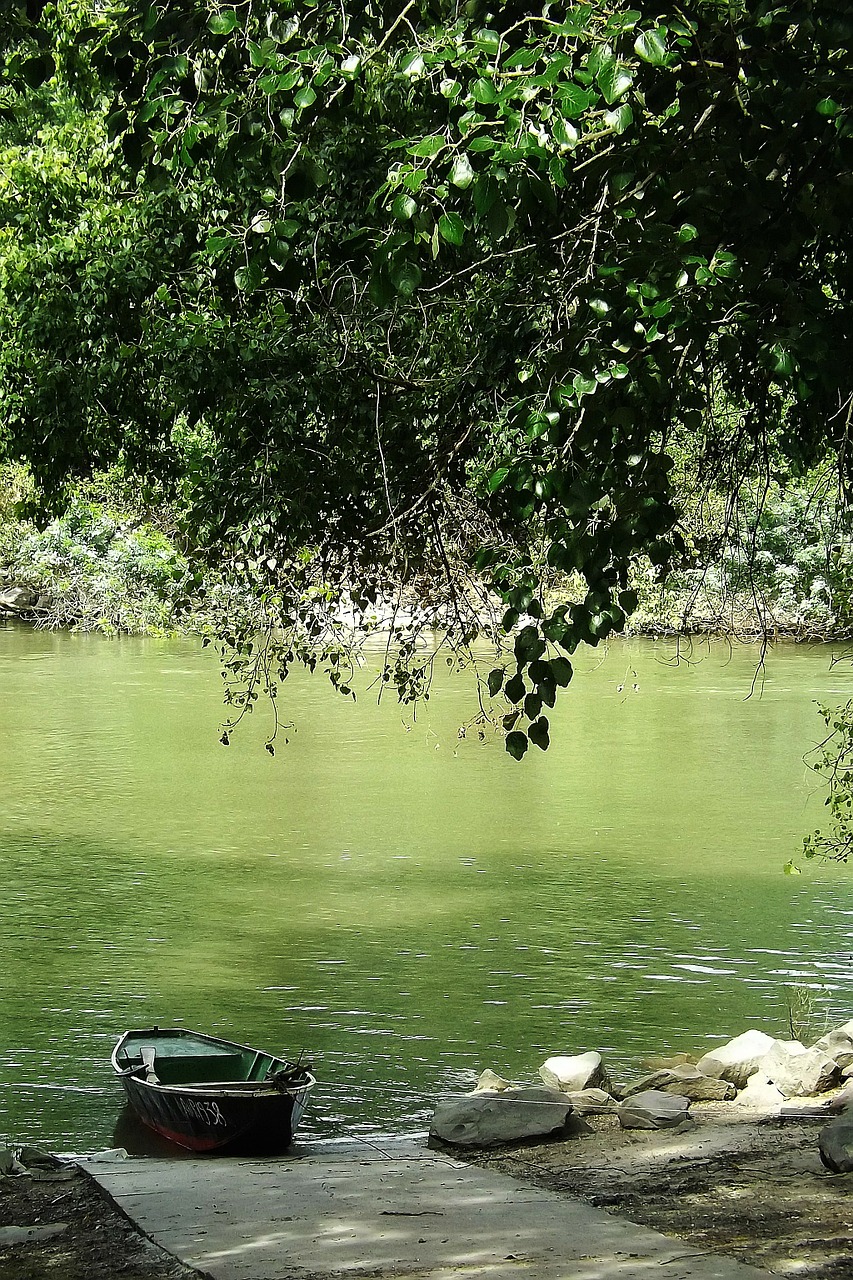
385 293
773 559
99 566
832 760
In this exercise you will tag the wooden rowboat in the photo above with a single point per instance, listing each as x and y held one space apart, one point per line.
209 1094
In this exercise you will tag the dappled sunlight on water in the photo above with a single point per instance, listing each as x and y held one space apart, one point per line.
406 906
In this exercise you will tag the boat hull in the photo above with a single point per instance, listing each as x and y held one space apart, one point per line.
208 1094
262 1120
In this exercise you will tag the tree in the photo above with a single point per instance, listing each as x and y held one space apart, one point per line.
389 292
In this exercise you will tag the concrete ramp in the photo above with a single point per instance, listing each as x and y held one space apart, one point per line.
350 1210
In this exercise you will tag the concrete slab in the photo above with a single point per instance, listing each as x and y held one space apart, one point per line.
403 1211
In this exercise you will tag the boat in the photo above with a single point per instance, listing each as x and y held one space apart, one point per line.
208 1094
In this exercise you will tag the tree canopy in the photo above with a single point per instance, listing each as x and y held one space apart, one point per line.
392 293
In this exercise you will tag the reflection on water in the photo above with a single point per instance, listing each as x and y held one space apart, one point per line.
407 907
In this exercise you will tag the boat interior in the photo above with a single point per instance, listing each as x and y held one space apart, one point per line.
186 1060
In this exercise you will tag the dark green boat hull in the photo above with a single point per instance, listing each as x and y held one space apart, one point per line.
255 1104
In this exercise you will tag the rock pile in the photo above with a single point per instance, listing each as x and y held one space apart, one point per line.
756 1069
20 602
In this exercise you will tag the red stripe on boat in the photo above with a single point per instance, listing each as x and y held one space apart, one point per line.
184 1139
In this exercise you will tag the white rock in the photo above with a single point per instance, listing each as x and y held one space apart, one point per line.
653 1109
797 1071
687 1081
490 1081
838 1045
737 1060
592 1102
17 599
571 1074
760 1094
488 1119
835 1104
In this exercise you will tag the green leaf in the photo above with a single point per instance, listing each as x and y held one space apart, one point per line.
404 207
217 245
483 91
791 869
304 97
461 174
263 54
536 425
781 361
116 124
564 134
573 100
36 70
415 179
486 191
827 107
222 24
621 22
381 288
516 744
406 277
532 705
497 478
651 46
248 278
620 119
487 40
529 646
498 219
687 232
613 79
538 733
496 679
451 228
515 688
428 147
584 386
562 671
413 63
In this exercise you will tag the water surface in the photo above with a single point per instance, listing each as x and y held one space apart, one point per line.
407 906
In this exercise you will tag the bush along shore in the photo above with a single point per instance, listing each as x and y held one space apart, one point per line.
114 563
97 568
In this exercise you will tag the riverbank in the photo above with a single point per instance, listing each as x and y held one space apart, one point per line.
72 1229
750 1187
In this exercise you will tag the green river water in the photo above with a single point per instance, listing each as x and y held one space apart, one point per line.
407 907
